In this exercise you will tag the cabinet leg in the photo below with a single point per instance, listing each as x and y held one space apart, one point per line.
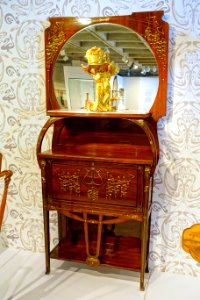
143 253
62 226
47 240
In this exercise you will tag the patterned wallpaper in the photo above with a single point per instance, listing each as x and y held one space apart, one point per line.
176 197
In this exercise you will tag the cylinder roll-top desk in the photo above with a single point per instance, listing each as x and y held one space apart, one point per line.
106 83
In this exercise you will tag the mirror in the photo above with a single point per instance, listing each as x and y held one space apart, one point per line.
133 88
136 43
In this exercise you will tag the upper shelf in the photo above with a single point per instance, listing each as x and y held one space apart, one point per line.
83 113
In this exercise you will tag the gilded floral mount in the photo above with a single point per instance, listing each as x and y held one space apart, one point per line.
100 67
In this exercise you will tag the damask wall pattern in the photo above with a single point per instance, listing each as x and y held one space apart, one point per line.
176 193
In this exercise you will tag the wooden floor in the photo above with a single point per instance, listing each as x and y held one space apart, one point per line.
22 278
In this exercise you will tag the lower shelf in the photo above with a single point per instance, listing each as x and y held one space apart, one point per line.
116 251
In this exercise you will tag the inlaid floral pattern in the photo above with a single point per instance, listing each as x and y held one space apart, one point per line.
176 193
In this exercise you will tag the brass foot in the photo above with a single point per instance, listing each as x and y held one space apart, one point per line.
92 261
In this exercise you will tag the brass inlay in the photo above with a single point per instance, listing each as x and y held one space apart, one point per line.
94 179
93 194
191 241
147 171
55 38
141 122
155 36
117 187
92 260
43 179
69 181
112 186
43 165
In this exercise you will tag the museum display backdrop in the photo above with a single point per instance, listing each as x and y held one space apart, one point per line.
176 189
98 172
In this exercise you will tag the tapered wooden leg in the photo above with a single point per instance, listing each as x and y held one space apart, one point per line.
145 226
47 240
143 253
45 215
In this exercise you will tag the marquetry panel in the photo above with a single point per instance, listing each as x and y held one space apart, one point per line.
98 183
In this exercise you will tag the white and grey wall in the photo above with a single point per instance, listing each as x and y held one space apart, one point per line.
176 194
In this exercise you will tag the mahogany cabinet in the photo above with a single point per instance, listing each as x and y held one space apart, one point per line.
98 173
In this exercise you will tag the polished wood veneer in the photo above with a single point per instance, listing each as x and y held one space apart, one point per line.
98 172
97 175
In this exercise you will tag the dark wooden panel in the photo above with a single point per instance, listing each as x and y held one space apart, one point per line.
96 183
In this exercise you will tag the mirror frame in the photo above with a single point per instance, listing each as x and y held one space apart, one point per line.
147 24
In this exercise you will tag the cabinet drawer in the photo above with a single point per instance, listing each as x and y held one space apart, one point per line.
97 183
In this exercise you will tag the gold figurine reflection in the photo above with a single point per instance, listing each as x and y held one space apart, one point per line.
100 67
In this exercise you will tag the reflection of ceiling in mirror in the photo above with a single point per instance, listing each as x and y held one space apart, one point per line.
127 49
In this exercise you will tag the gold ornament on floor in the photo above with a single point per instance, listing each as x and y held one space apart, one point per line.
191 241
100 67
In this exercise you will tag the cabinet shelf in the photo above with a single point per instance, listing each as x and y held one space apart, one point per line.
84 114
116 251
102 152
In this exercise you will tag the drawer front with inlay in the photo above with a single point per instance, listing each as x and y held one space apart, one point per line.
93 182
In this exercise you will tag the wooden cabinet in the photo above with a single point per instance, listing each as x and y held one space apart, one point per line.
98 173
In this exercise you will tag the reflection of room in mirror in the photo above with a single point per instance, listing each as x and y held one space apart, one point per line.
149 93
134 93
79 86
138 92
59 85
127 49
80 90
61 96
